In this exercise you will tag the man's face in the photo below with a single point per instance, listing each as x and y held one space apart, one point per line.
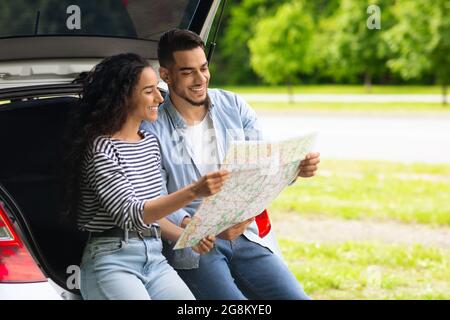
188 77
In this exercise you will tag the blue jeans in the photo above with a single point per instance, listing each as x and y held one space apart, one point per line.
134 270
241 269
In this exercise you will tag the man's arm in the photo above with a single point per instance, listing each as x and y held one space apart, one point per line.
236 230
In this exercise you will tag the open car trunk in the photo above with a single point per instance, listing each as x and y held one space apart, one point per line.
30 170
45 45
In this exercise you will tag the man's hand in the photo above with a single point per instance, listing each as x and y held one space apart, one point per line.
236 230
308 167
205 245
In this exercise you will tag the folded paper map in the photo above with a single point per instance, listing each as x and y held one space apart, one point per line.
259 171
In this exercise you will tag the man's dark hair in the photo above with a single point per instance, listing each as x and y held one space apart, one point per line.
176 40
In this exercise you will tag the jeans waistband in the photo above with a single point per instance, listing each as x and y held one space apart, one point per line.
154 232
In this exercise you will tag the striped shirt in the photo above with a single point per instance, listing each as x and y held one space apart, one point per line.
117 178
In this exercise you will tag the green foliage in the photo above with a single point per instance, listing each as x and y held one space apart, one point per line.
347 48
232 51
411 46
281 46
420 39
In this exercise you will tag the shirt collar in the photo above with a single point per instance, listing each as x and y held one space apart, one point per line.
176 117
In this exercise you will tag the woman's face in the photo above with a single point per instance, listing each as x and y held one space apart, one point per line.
146 97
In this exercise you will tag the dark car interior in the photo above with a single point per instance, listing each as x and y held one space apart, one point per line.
30 169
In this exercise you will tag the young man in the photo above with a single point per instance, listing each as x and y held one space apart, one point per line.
194 126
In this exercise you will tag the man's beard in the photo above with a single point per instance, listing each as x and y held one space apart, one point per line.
205 102
196 103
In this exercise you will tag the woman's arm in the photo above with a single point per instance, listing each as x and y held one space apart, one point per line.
209 184
116 194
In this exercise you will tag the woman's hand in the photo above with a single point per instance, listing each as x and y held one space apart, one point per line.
205 245
210 183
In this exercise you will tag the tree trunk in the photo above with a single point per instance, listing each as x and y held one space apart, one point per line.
368 82
290 92
444 94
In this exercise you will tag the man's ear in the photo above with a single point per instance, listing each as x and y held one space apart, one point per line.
164 74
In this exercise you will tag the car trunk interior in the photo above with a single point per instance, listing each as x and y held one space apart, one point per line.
30 169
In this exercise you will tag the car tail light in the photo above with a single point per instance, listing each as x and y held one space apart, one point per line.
16 262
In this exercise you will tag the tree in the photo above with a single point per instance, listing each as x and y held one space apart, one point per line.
349 47
232 52
281 47
239 26
420 40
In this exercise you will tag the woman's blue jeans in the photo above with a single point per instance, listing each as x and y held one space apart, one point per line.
135 270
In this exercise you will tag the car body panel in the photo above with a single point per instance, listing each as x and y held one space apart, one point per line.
29 291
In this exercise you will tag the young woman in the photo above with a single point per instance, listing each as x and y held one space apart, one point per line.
115 184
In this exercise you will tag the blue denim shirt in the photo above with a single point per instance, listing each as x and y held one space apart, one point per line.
233 119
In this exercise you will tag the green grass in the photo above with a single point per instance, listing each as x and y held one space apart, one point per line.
369 270
370 190
352 107
336 89
418 193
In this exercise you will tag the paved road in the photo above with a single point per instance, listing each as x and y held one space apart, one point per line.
394 138
370 98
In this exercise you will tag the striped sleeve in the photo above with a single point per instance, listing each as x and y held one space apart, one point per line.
115 192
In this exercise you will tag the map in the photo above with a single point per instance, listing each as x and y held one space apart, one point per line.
259 171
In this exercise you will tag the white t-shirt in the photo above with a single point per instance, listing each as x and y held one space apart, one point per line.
201 137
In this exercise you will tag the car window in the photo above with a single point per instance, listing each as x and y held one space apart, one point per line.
137 19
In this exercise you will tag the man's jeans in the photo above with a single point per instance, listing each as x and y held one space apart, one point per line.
241 269
114 269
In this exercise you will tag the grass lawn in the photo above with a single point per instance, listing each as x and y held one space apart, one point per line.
367 191
372 190
352 107
336 89
369 270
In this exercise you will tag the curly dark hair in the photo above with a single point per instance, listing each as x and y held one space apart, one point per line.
102 111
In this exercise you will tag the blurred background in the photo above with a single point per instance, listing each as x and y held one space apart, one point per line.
371 77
